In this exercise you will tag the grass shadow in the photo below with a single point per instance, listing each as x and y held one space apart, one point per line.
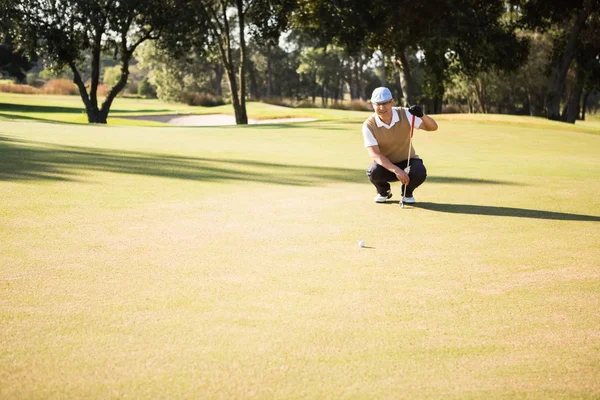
468 181
504 212
29 160
18 117
25 108
25 160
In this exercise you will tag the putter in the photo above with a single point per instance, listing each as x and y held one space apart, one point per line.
407 169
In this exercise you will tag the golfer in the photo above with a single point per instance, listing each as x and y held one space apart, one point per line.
387 139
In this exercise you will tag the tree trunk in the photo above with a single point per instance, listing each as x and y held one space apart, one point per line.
315 86
233 89
350 79
572 109
222 32
437 105
560 67
584 103
269 72
218 78
360 87
253 91
409 86
383 72
241 117
115 89
90 100
398 85
91 111
480 90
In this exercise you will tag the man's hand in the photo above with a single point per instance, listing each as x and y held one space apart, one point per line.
402 176
416 110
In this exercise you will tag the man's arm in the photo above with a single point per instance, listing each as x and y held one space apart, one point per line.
428 123
382 160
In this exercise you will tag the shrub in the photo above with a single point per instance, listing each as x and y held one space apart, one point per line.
16 88
354 105
202 99
60 86
111 75
34 80
306 104
145 89
102 90
278 101
451 109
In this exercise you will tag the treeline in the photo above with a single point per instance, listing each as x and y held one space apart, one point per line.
533 57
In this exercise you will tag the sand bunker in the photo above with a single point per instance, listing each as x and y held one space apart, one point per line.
210 120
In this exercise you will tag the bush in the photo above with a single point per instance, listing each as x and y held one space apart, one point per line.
16 88
202 99
102 90
60 86
354 105
451 109
306 104
278 101
111 75
145 89
34 80
48 74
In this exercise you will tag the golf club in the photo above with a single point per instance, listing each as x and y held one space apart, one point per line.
407 169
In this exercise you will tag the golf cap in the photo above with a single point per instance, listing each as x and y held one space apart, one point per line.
381 95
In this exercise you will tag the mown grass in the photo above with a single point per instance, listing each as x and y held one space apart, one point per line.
70 109
223 263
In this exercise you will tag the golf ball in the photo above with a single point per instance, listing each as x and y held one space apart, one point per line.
361 244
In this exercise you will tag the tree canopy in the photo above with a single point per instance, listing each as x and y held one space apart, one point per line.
63 31
428 47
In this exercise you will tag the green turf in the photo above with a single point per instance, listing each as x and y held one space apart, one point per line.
70 109
160 262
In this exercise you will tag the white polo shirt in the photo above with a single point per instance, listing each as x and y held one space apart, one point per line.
368 137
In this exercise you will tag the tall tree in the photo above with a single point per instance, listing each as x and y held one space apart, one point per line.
229 22
13 62
468 35
181 78
63 31
567 20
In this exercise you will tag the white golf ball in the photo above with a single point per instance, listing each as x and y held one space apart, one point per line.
361 244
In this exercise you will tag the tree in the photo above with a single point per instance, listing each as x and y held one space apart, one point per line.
15 63
325 69
467 36
567 21
63 31
182 77
226 25
453 35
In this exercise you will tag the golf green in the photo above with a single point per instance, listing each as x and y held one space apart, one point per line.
223 262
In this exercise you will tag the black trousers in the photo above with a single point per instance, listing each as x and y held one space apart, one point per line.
381 177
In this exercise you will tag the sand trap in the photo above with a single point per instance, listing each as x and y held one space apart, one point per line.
210 120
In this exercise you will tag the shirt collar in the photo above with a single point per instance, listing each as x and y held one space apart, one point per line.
395 118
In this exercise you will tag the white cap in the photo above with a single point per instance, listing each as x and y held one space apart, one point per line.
381 95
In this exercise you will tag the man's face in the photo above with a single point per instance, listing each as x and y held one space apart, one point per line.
383 109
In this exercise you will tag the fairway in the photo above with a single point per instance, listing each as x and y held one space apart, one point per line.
222 263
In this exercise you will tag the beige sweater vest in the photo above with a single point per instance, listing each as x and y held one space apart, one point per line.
393 143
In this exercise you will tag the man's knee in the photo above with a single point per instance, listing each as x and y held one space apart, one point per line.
418 171
376 172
